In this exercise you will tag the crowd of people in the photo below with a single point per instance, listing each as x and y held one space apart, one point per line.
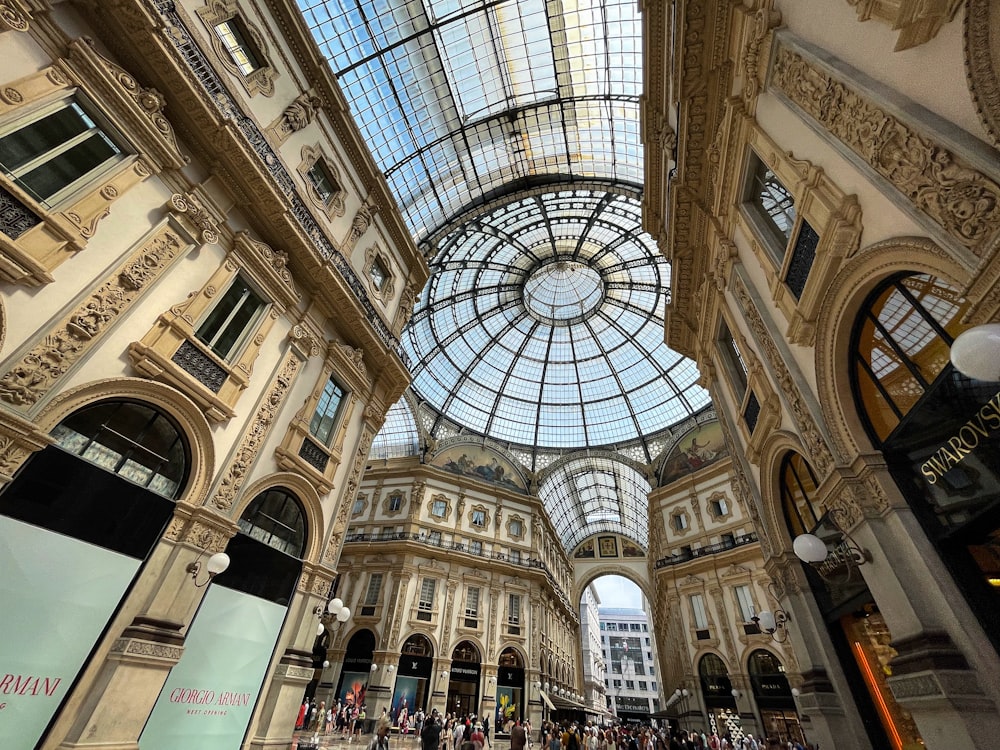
470 732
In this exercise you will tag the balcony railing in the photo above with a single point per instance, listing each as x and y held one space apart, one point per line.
517 559
711 549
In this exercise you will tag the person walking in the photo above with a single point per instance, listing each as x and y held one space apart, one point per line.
430 735
381 739
518 737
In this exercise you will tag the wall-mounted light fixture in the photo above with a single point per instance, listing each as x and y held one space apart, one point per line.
374 667
335 608
390 669
736 693
838 564
326 665
773 623
216 564
444 674
493 679
976 352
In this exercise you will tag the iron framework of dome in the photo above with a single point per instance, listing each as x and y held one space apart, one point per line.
508 130
542 325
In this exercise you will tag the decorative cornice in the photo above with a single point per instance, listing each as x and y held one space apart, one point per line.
982 61
942 187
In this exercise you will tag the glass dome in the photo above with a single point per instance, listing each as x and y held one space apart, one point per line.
542 325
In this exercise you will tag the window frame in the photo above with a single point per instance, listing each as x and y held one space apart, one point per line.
236 349
261 79
333 419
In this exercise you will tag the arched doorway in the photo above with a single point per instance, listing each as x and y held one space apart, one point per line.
510 687
76 524
237 625
463 687
717 690
413 675
353 684
774 697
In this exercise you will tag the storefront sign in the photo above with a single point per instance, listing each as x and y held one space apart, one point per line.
965 440
464 673
210 693
57 596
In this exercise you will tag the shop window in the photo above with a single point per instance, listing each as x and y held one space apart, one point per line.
60 148
130 440
276 519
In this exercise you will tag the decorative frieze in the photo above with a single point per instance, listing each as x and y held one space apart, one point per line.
347 497
982 63
13 16
812 439
254 434
59 349
943 186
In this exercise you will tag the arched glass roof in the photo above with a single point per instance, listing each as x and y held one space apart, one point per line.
398 436
542 325
595 494
460 99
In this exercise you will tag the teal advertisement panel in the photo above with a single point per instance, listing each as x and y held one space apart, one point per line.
56 596
210 693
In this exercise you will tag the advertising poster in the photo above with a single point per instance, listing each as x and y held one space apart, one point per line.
210 693
506 707
57 596
354 685
404 695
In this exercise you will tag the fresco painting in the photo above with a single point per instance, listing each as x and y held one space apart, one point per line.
701 447
481 463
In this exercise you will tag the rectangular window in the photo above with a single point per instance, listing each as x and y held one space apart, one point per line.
652 686
374 589
772 205
427 589
732 359
515 556
322 181
395 503
629 685
476 547
325 417
720 508
745 602
359 507
435 538
236 39
479 518
56 150
647 641
378 274
617 683
698 608
439 508
652 670
472 607
516 529
642 685
231 320
513 609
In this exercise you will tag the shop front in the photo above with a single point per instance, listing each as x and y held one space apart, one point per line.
463 685
720 703
773 697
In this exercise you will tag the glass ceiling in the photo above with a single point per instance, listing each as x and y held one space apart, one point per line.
542 325
508 130
460 99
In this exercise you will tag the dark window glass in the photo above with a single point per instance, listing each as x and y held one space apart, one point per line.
733 359
276 519
798 490
325 416
132 440
772 203
224 328
323 183
55 151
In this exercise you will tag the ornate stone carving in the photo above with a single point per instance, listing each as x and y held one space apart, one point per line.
359 224
347 497
812 439
917 21
198 533
304 341
301 111
150 101
13 17
764 20
260 80
254 434
741 486
190 206
131 646
942 185
62 347
982 61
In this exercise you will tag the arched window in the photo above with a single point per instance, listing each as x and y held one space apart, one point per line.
418 645
764 663
510 658
712 665
134 441
275 518
798 490
466 651
901 344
